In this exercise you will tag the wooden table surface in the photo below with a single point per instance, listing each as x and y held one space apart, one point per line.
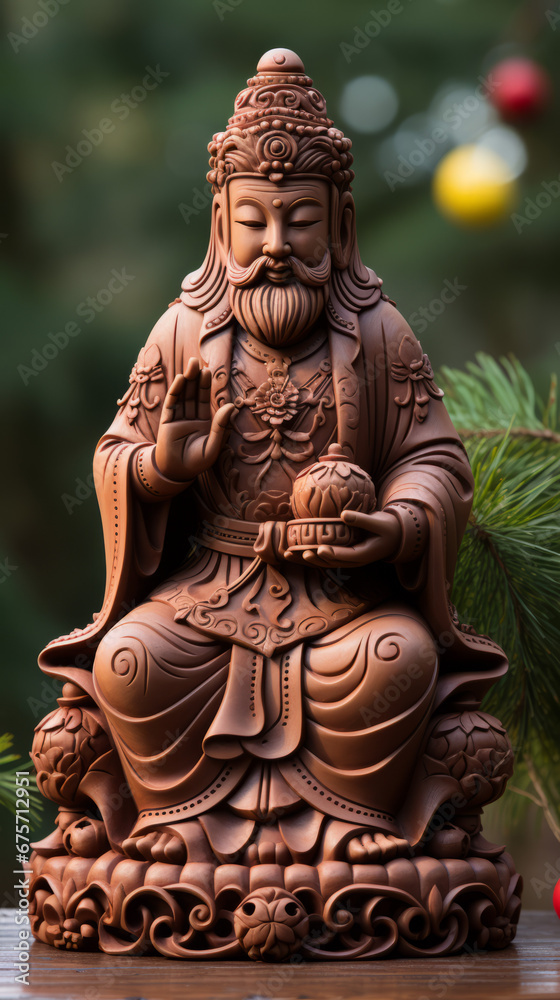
529 968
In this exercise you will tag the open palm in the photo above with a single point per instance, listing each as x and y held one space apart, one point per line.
189 439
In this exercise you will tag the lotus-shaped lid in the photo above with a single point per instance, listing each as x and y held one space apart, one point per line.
332 485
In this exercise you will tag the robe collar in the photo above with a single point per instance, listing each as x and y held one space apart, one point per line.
216 346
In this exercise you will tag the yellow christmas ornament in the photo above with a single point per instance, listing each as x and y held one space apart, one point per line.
473 186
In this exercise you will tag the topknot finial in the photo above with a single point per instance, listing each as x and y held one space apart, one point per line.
280 61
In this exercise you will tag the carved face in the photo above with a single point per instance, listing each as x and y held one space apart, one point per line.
278 257
278 221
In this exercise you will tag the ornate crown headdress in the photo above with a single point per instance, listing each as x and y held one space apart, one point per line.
279 129
280 126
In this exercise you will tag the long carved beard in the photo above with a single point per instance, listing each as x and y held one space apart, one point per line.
278 314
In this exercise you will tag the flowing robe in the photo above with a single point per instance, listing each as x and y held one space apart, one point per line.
251 632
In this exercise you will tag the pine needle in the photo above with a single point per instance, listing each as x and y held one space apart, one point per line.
8 786
507 583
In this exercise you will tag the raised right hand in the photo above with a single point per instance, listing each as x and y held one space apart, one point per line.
188 439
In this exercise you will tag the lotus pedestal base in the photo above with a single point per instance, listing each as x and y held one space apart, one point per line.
334 912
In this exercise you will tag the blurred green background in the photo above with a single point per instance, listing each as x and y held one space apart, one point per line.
138 202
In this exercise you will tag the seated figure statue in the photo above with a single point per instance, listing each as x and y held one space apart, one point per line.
277 701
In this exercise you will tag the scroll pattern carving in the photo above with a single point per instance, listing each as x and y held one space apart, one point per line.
415 370
146 369
419 907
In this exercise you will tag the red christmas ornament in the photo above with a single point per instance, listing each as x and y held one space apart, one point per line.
521 88
556 898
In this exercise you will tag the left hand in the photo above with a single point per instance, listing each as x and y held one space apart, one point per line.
384 531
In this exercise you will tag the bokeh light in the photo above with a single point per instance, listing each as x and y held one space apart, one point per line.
474 187
463 110
369 103
509 145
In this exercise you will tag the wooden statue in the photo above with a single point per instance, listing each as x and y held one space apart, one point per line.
270 737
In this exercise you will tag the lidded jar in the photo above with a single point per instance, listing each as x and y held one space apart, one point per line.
320 495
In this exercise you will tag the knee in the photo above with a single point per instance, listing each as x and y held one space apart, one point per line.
390 650
402 651
402 659
400 670
120 665
379 667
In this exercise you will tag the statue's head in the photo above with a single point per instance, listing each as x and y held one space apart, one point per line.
283 220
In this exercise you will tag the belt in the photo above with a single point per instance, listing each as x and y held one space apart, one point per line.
226 534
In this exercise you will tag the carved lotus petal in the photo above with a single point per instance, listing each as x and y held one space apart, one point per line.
494 762
74 719
64 746
457 740
40 761
447 724
67 765
458 765
43 778
53 755
70 786
476 788
433 766
410 353
331 486
439 747
53 721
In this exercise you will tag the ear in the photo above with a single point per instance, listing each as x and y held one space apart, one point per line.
218 220
343 229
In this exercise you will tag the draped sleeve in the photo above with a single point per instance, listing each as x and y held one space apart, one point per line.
419 462
134 521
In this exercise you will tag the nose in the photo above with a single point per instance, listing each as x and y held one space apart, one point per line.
275 244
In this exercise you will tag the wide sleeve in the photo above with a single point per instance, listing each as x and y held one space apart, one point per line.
423 475
134 518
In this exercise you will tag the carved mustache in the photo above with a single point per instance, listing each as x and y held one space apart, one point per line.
244 277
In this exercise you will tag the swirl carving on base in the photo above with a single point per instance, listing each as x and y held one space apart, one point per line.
421 907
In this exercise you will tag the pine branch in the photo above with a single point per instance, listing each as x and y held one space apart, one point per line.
507 582
535 783
551 819
494 395
534 432
8 786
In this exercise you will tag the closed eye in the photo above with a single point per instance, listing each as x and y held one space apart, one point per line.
303 223
250 224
